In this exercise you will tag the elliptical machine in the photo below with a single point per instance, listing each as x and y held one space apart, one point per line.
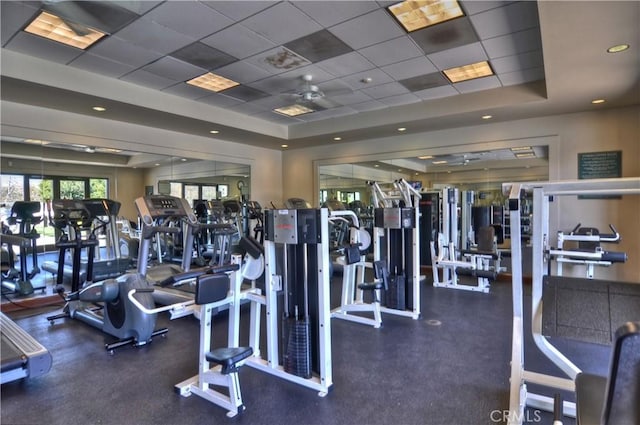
116 315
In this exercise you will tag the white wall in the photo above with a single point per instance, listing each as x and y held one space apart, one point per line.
566 136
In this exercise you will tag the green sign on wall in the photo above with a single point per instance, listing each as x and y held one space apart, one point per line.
599 165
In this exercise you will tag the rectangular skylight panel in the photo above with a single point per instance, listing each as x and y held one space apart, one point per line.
414 15
213 82
468 72
52 27
293 110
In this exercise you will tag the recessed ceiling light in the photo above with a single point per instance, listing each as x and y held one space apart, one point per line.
485 169
213 82
37 141
402 129
487 117
525 155
366 80
618 48
337 138
284 146
468 72
399 170
50 26
214 131
156 164
293 110
597 101
417 174
426 157
99 108
416 14
183 159
376 165
439 162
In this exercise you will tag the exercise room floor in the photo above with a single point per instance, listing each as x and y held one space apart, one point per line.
449 367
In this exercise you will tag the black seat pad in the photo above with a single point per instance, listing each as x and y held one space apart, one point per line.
227 357
590 394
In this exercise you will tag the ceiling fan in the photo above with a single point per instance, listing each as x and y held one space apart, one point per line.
310 95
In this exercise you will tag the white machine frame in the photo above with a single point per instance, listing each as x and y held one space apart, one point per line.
352 297
322 381
400 190
447 258
519 396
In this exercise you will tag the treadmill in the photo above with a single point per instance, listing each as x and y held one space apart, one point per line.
22 356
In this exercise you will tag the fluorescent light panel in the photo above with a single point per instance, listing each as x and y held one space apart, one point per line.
293 110
468 72
521 148
439 162
52 27
526 155
213 82
414 15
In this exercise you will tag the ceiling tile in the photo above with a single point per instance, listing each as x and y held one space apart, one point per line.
191 18
339 11
522 76
474 7
392 51
371 105
365 30
318 46
423 82
401 99
282 23
436 93
174 69
107 17
385 90
242 72
513 17
217 99
517 62
447 35
248 108
512 44
351 98
150 35
377 77
277 118
478 84
203 56
346 64
328 113
245 93
42 48
239 41
275 84
186 90
273 102
278 60
410 68
140 7
13 16
122 51
100 65
148 79
238 10
459 56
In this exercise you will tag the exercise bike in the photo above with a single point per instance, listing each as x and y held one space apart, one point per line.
103 305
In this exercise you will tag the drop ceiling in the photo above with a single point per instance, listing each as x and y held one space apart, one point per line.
548 57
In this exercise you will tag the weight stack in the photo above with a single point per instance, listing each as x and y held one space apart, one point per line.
395 295
297 354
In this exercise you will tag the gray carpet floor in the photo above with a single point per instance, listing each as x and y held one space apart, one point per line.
449 367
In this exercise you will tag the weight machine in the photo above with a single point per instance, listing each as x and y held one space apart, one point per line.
296 299
480 260
396 241
520 397
588 253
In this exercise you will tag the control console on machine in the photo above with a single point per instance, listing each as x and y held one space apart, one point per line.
151 207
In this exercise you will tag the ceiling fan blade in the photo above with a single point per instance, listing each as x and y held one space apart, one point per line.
326 103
